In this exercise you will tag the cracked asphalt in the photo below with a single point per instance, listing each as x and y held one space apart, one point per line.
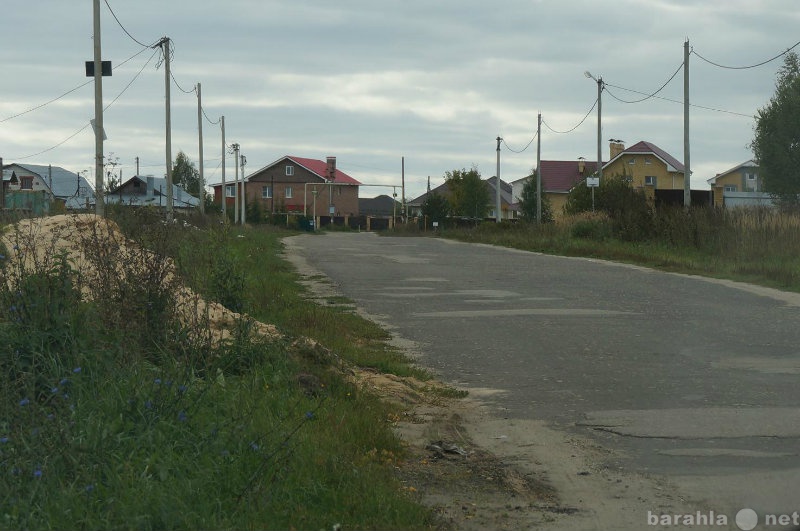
683 378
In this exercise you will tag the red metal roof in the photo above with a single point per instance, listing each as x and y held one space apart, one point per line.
320 167
563 175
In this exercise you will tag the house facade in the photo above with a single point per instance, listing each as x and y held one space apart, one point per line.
54 183
647 166
300 185
739 186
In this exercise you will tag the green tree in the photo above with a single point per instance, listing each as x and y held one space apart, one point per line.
628 208
776 145
435 208
527 202
469 194
185 174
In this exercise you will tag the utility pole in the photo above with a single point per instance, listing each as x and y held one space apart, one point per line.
224 186
539 170
243 217
98 115
687 189
165 49
403 188
200 150
235 148
498 213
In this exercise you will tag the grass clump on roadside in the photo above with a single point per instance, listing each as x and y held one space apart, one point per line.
118 412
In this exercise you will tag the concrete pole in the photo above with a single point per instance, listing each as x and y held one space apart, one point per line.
687 187
403 189
165 50
242 163
98 115
200 149
539 170
224 185
236 187
599 128
498 212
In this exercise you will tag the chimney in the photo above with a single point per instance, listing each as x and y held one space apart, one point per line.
581 165
331 169
615 148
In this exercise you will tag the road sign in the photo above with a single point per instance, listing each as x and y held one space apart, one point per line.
593 182
105 68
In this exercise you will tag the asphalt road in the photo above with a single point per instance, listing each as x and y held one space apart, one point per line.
690 379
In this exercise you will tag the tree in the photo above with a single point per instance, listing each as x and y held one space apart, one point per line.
776 145
628 209
527 202
469 194
184 173
435 208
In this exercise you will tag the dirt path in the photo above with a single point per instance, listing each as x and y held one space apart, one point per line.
480 471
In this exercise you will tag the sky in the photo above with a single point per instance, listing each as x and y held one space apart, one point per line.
424 85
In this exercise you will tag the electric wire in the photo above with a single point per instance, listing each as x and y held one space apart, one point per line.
89 124
37 107
209 119
503 140
681 103
762 63
577 126
125 30
649 95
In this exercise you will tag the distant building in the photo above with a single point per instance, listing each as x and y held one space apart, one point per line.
150 191
56 184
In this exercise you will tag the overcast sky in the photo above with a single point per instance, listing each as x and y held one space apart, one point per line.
369 82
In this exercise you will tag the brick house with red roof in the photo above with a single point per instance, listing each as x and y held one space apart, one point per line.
291 183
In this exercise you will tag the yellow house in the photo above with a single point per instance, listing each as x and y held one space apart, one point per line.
742 178
646 165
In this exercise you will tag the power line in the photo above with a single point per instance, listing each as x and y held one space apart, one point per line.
123 28
680 102
762 63
87 125
37 107
207 118
649 95
523 149
577 126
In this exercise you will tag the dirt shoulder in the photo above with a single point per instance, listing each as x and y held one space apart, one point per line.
480 471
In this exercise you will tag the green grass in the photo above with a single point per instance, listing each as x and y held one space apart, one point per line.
114 415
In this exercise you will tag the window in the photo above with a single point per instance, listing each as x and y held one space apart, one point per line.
730 188
230 190
632 161
266 192
288 192
751 176
647 161
289 170
650 180
26 183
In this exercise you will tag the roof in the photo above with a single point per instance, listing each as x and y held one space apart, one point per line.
646 147
382 205
444 190
561 176
71 187
749 164
180 197
317 167
9 176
